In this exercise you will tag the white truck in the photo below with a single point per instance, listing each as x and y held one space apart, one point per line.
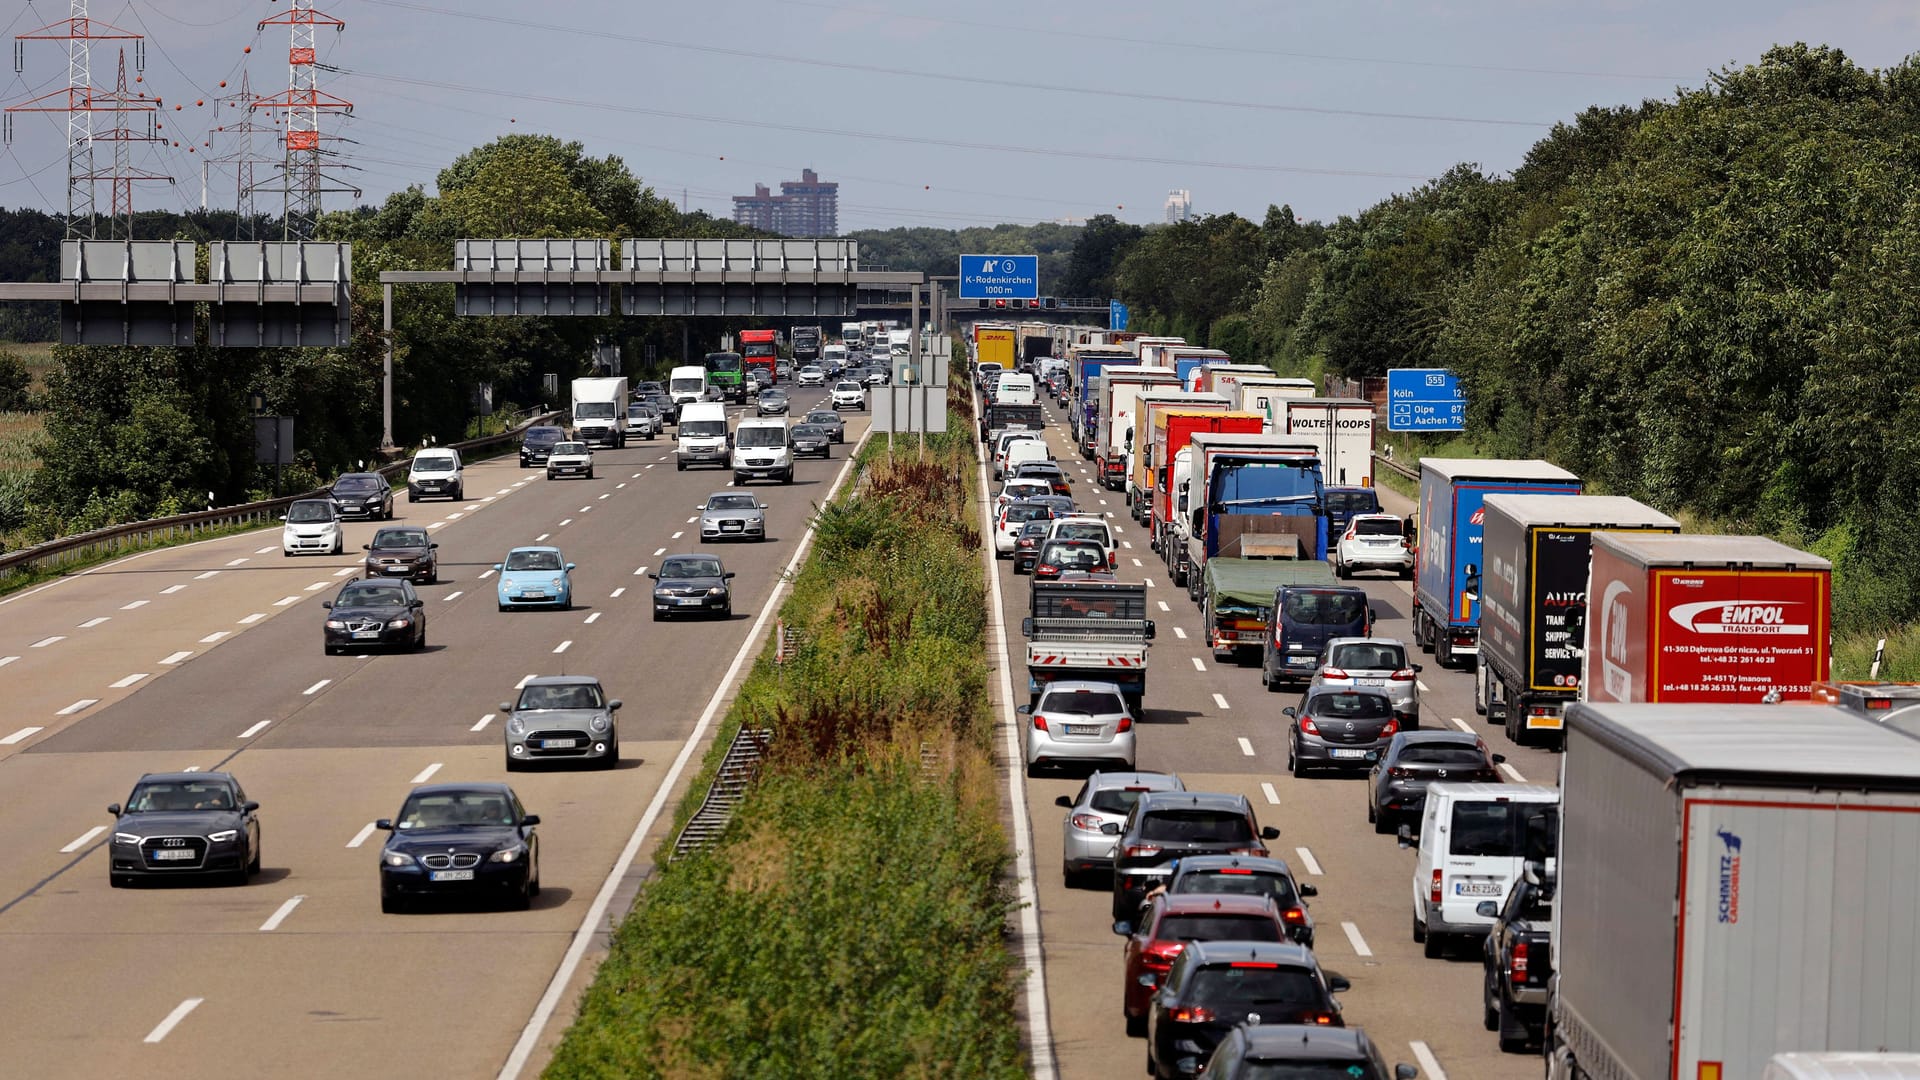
1088 630
600 411
1266 396
1734 881
1343 428
1120 390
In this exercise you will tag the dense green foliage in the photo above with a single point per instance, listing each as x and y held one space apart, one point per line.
937 252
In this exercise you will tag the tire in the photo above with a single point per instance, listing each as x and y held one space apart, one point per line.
434 578
1443 652
391 905
589 474
549 474
524 898
1136 1027
612 760
329 650
460 494
513 763
503 607
1435 946
1382 825
680 466
253 864
727 612
285 553
1419 932
1489 1011
1480 693
533 886
739 480
1502 1021
420 643
340 547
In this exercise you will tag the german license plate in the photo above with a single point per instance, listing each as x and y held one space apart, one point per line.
1476 888
1349 752
683 601
1083 729
174 855
1370 682
365 635
558 744
533 594
453 875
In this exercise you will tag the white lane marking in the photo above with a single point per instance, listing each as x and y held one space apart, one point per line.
78 706
83 840
175 658
487 573
191 768
1245 746
173 1019
584 509
484 721
171 589
1307 860
490 498
1179 633
128 681
280 914
659 552
255 729
425 774
1136 562
1128 544
344 571
642 572
504 491
615 594
1513 774
564 522
541 538
95 621
637 474
239 561
1103 502
1273 797
135 604
563 646
609 494
268 550
361 836
438 525
1163 605
317 586
316 687
1429 1065
253 618
592 618
676 536
471 507
523 682
285 600
214 637
1421 683
454 595
691 520
520 483
1198 665
205 576
1461 724
46 641
620 485
1353 937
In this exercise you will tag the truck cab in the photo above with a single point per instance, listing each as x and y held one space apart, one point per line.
1088 630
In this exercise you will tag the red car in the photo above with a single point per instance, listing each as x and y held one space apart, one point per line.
1171 920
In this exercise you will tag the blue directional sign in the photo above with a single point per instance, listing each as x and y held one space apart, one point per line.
999 277
1425 399
1117 315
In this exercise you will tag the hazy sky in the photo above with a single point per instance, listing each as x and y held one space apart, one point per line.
935 114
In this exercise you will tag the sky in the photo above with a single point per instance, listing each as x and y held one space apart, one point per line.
927 114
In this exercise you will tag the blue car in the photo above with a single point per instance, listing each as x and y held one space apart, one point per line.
535 577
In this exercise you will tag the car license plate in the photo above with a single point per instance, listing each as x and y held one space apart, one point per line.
1348 752
533 594
1083 729
1476 888
174 855
365 635
453 875
1300 661
558 744
1370 682
684 600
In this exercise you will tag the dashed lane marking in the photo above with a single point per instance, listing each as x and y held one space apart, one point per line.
1513 774
1179 633
621 484
78 706
1353 938
318 585
285 600
454 595
1136 562
215 637
1429 1065
1421 683
1245 746
316 687
205 576
239 561
591 619
253 618
83 840
1461 724
175 658
135 604
1198 664
564 522
485 574
1221 703
1307 860
173 1019
615 594
256 729
541 537
345 570
122 684
563 646
1273 797
484 721
21 736
171 589
659 552
95 621
268 550
46 641
1163 605
521 685
425 774
677 535
280 914
361 836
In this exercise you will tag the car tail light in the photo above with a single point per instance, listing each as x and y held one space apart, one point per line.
1141 851
1192 1014
1235 870
1039 722
1334 673
1295 916
1517 963
1159 955
1461 637
1113 558
1307 726
1403 675
1433 891
1126 723
1399 771
1279 636
1087 822
1323 1019
1253 964
1392 726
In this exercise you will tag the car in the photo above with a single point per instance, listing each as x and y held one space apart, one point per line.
1086 527
403 551
772 401
184 824
669 412
312 525
363 494
759 376
1343 503
459 840
1214 987
1061 504
1015 490
692 584
829 419
848 394
375 613
1165 826
643 418
1026 546
811 375
783 369
1250 875
1008 521
648 386
1061 555
1338 729
1371 663
437 470
1078 721
878 376
1053 474
1373 542
1094 815
762 449
1517 961
570 459
1168 924
537 442
534 576
1264 1051
732 515
561 718
1397 783
810 439
1003 441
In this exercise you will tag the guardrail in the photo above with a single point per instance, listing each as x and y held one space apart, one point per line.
1409 473
134 535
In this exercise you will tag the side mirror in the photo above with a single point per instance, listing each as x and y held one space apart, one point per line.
728 574
249 806
384 824
1290 711
1026 626
1417 669
434 545
1150 630
283 517
1269 833
1148 981
1487 909
1309 890
762 506
614 705
1023 711
1339 984
504 707
1404 834
366 547
655 577
1405 1072
496 566
1064 800
328 604
1122 927
1111 828
570 566
113 809
1499 759
702 506
530 821
417 604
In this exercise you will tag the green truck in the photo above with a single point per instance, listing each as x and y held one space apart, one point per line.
1237 599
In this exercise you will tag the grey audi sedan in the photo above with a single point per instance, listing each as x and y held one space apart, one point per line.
732 515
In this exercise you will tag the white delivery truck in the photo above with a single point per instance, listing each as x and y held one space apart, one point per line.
1120 391
1734 882
1343 429
1266 396
600 411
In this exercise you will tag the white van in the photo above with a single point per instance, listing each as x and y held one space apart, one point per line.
703 438
1474 842
435 472
762 450
685 384
1021 451
1844 1065
1015 388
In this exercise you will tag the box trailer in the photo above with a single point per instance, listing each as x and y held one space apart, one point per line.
1138 438
1344 429
1176 511
1268 395
1120 391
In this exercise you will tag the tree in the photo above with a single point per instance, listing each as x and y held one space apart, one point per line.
1103 242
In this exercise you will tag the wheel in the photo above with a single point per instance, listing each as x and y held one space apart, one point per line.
329 650
459 493
589 474
788 478
1293 763
1442 651
523 899
1502 1022
612 760
1382 824
1435 945
434 577
420 643
1340 571
534 887
1137 1027
1490 1012
1419 930
727 612
1480 693
739 480
680 466
253 864
513 763
286 553
549 474
339 547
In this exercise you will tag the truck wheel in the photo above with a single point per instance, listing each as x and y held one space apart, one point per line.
1442 649
1490 1013
1515 722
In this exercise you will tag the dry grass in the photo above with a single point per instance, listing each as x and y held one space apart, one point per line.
38 356
18 433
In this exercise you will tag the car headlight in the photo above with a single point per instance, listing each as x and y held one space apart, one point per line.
599 724
557 582
717 590
400 623
396 858
224 835
507 855
336 624
372 500
125 838
516 725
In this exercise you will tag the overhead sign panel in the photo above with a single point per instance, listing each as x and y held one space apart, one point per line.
537 293
999 277
1425 399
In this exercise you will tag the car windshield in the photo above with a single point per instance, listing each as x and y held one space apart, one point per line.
705 429
310 511
595 410
1377 527
1313 607
1502 829
570 448
823 417
1210 927
761 436
1068 530
371 594
163 795
563 696
1115 800
732 502
452 809
1081 703
543 436
846 386
809 431
533 560
400 538
1255 984
1020 512
689 566
639 412
1032 487
356 482
1353 502
1440 754
1077 554
1350 706
1196 827
723 362
433 463
1368 656
689 386
1237 882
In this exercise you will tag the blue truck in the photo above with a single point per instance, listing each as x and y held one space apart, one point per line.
1271 494
1451 539
1083 365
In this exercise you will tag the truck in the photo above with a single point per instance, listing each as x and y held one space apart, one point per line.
1136 437
1698 618
759 349
1172 526
1344 429
998 416
1272 489
600 411
1266 396
1446 569
1225 379
726 375
1170 427
1084 365
850 335
1533 600
1035 342
1120 392
1088 630
807 341
1151 351
1236 597
1681 954
1187 360
993 343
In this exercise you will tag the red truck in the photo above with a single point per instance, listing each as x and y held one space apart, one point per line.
1173 431
759 348
1700 618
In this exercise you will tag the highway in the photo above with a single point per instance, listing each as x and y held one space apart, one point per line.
208 656
1221 730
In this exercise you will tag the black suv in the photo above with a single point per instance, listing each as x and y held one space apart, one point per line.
1168 825
1249 875
1215 986
1273 1049
537 443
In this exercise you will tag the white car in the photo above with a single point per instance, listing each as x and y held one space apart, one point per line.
1373 542
1006 440
848 394
570 459
811 376
313 526
1085 527
1016 490
1009 519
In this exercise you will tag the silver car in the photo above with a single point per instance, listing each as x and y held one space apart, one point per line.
1079 721
1093 822
562 718
1372 663
732 515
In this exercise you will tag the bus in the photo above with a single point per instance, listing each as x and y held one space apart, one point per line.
726 375
760 349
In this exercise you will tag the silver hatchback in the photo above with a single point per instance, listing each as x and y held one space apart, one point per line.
1372 663
732 515
1093 822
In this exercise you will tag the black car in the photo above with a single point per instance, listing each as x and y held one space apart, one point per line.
1262 1051
537 443
1168 825
1516 961
374 612
1026 544
810 439
692 584
669 412
1250 875
646 387
363 494
829 419
1044 470
1338 729
403 551
460 840
181 824
1215 986
1397 785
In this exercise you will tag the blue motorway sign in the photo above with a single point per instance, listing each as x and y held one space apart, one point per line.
1425 399
999 277
1117 315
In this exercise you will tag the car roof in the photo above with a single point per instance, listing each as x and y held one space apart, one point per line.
563 680
1264 952
1436 737
1153 781
712 495
360 476
1077 685
1336 691
1331 642
1069 541
183 777
1224 903
1288 1042
1190 800
454 788
1229 862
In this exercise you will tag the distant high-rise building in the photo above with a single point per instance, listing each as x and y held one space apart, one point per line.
804 207
1179 205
